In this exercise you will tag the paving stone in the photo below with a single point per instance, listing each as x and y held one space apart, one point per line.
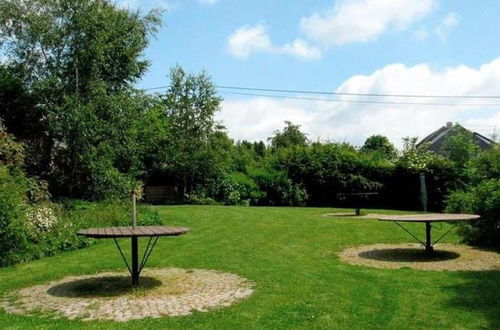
177 292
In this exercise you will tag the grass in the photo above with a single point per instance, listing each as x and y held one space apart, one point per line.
300 283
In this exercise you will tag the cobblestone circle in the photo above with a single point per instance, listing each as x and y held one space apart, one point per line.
451 257
109 296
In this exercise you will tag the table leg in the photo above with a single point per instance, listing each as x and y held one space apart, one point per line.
135 262
428 242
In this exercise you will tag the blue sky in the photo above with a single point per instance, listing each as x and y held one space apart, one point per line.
444 47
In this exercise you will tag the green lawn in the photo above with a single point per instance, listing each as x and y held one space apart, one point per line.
290 255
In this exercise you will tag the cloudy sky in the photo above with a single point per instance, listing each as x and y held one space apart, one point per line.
416 47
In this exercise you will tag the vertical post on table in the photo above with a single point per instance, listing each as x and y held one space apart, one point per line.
134 211
428 242
135 246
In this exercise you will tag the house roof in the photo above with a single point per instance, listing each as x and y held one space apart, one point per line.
436 139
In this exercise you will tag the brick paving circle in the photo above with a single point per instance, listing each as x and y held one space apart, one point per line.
451 257
109 296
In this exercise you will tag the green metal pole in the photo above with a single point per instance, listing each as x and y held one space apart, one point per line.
423 192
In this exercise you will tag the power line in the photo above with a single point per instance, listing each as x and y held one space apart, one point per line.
343 93
360 94
363 101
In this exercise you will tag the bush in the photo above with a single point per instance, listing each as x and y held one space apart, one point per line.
149 217
108 183
278 189
13 207
247 189
483 199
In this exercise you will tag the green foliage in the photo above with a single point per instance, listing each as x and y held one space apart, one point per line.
76 60
198 147
71 44
290 136
13 207
11 152
31 231
146 217
414 158
460 148
325 170
379 145
485 166
483 199
277 189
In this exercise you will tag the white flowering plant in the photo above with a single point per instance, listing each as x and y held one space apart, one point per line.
41 218
415 158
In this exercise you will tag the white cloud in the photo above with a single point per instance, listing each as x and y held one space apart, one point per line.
301 48
448 23
248 40
363 20
257 118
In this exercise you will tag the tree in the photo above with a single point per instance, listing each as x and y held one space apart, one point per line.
381 145
77 60
190 105
259 148
460 148
290 136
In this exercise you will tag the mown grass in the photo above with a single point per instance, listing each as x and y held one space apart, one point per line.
290 255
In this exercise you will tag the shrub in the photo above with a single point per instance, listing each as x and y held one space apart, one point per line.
149 217
13 207
107 182
278 189
483 199
41 218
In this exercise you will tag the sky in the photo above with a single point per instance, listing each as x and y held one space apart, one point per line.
416 47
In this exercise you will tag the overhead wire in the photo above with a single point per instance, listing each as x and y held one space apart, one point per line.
224 89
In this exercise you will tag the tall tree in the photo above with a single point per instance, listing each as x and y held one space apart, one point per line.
77 59
190 105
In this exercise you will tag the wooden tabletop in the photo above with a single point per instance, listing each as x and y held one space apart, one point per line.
137 231
430 217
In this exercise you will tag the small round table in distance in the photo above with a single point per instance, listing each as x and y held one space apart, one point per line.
134 232
428 219
358 198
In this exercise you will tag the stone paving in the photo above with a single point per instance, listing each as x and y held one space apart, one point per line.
454 257
109 296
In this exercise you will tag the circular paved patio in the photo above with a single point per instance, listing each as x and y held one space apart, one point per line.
446 257
109 296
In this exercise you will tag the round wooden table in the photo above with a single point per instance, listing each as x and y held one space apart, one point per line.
428 219
134 232
358 198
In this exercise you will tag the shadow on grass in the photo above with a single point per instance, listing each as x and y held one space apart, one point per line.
478 292
408 255
106 286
